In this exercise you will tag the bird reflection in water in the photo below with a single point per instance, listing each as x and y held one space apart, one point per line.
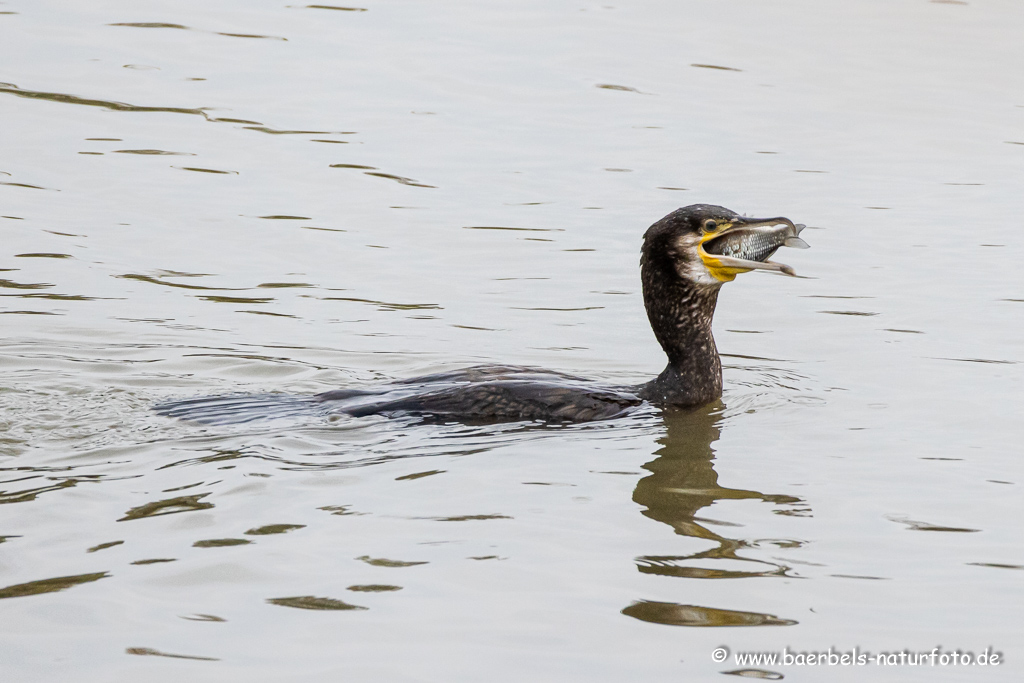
682 482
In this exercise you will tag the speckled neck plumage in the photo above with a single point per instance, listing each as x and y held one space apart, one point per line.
681 312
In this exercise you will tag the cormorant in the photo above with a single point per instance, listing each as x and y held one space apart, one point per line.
686 258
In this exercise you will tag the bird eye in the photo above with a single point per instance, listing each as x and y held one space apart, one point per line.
710 225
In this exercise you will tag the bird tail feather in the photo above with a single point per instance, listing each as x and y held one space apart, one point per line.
240 408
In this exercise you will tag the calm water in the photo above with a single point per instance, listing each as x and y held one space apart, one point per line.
203 198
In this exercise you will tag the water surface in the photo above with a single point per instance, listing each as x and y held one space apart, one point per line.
254 196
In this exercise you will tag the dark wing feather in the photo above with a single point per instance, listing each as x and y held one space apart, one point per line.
509 400
495 393
484 373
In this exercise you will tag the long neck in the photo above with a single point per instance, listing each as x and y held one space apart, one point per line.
680 313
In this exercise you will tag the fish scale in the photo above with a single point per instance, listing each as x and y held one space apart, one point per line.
758 245
755 247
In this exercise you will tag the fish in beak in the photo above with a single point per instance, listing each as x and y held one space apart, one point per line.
746 244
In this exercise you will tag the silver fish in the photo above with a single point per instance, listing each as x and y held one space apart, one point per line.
757 244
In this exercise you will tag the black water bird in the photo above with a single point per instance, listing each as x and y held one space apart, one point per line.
686 258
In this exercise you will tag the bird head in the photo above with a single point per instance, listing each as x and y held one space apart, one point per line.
708 245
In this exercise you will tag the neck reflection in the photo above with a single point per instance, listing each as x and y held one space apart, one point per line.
682 482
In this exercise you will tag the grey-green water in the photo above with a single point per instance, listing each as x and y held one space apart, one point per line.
204 198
